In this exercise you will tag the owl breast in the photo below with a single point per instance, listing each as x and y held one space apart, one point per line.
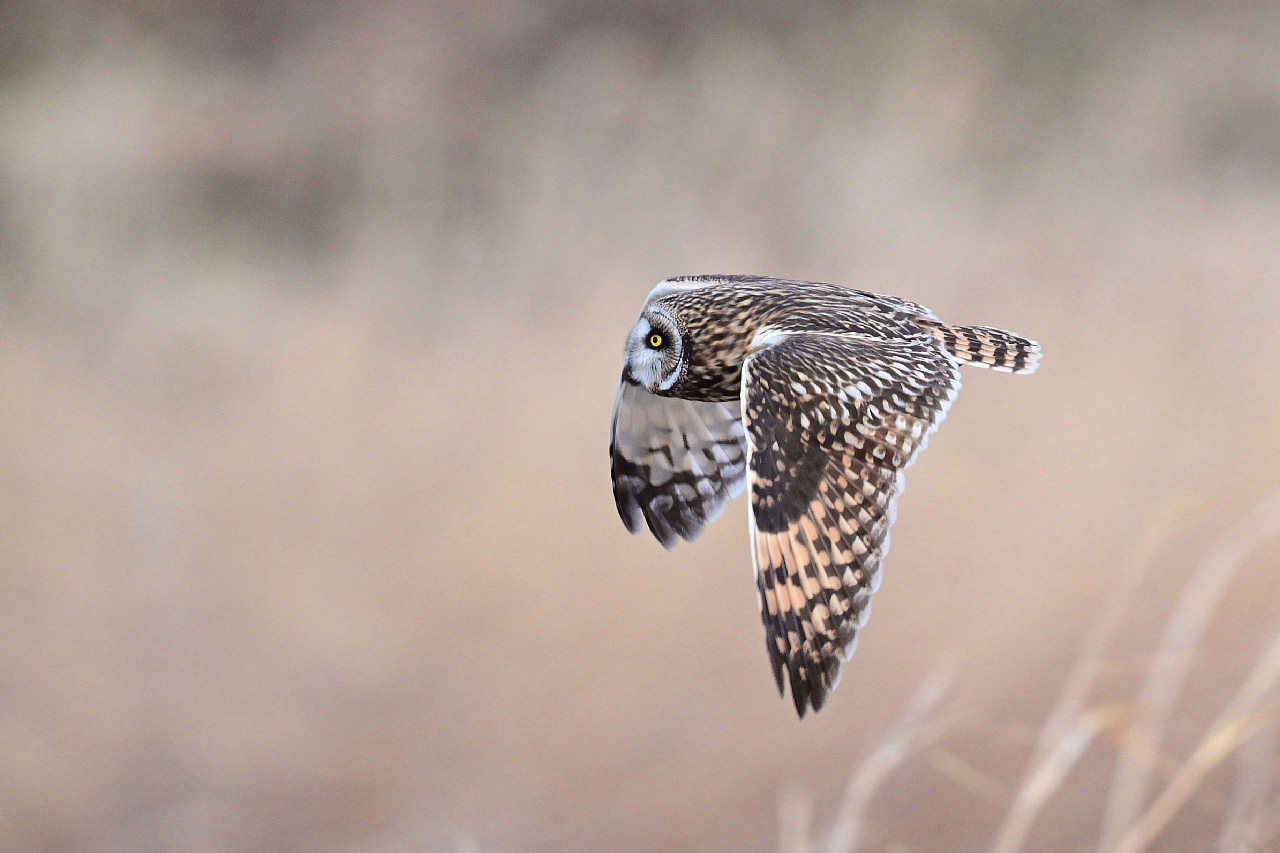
710 381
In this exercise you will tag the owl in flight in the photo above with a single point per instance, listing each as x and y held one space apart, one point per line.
818 396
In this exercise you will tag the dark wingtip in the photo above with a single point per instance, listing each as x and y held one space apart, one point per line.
661 530
775 664
799 687
631 522
802 704
628 511
807 688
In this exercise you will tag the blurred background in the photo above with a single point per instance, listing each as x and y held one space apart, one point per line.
311 317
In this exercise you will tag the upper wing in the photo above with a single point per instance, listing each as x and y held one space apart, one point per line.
675 463
831 420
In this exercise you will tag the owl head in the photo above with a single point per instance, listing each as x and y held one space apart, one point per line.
655 350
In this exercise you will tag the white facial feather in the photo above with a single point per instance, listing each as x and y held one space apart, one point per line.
655 369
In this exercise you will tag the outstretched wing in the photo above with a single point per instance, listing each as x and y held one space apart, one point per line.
675 463
831 420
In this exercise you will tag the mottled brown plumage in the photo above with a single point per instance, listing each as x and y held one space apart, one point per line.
818 395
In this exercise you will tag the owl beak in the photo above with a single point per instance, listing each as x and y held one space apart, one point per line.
630 378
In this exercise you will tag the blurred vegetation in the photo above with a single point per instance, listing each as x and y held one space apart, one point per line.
311 315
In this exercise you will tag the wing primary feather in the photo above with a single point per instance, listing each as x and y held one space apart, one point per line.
675 463
773 631
835 418
788 609
812 693
691 509
833 648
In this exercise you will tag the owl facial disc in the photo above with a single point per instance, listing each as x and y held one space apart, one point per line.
655 351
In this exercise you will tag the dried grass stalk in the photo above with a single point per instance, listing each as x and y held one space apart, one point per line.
1168 673
917 727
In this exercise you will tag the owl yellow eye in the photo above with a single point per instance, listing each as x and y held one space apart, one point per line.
655 340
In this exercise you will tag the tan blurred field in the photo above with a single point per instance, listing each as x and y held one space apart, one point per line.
309 329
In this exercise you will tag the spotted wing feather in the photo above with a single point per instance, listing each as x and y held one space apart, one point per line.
832 421
675 463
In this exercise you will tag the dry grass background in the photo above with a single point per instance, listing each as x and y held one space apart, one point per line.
310 326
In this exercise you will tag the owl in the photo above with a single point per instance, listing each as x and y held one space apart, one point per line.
817 397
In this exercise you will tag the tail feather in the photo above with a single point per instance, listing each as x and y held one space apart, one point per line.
992 348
